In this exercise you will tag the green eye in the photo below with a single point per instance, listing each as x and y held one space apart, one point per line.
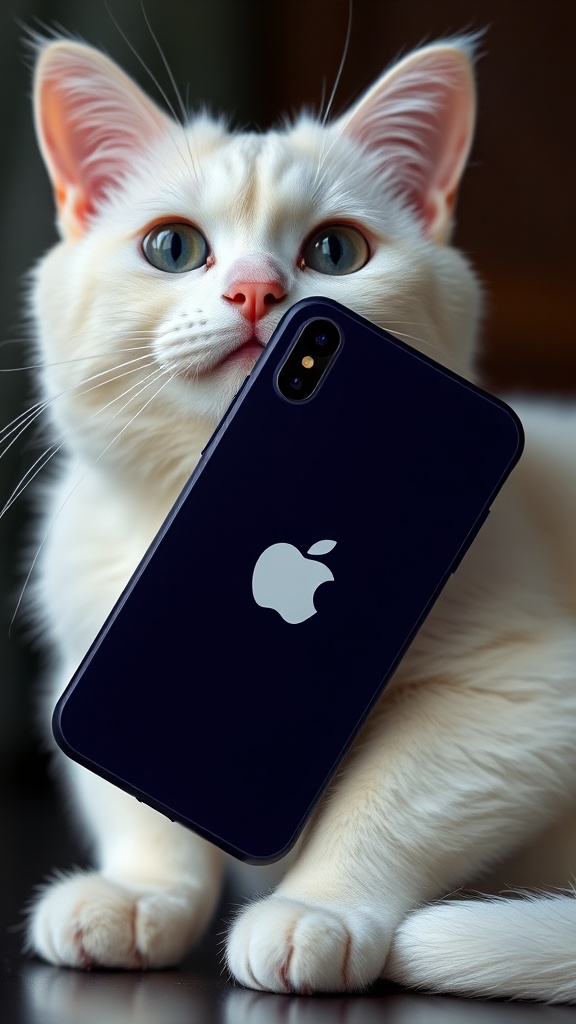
175 248
337 249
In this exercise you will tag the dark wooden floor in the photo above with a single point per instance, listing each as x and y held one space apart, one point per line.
36 839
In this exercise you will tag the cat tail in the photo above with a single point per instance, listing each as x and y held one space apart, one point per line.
512 948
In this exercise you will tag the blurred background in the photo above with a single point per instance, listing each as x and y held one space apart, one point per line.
255 59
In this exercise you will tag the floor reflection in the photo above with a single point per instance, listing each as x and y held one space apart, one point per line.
53 995
396 1007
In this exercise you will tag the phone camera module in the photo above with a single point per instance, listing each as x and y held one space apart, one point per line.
315 349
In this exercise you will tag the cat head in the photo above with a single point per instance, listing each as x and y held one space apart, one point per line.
183 244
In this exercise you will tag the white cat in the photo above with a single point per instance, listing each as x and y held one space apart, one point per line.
181 248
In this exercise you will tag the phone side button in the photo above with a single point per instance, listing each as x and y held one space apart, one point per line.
469 542
211 438
173 820
220 422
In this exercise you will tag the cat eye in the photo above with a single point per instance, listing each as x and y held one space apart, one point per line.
337 249
175 248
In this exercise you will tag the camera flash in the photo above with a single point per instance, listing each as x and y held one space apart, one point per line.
307 362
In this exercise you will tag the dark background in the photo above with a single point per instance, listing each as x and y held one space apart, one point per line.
254 60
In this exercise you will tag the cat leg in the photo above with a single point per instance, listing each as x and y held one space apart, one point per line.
444 779
150 900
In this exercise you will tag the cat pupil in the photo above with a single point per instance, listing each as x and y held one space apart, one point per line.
176 247
334 247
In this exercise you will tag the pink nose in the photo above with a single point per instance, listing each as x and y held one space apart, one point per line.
254 297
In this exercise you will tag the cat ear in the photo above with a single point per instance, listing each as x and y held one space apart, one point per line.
418 119
91 121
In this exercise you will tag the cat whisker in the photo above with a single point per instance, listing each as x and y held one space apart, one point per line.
391 325
411 337
317 182
180 117
38 407
173 83
442 356
140 333
66 362
322 97
26 333
14 424
340 66
106 373
160 373
43 459
409 323
30 475
143 63
321 159
25 419
22 339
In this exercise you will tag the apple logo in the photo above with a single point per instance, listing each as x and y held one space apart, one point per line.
285 580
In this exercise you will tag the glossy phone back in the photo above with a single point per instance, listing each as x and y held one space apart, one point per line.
286 584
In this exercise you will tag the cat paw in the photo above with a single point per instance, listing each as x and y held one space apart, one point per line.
88 921
283 945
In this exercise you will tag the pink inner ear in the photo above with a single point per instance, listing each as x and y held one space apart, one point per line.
92 122
419 119
66 147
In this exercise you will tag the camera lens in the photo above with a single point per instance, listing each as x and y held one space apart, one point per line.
323 337
296 383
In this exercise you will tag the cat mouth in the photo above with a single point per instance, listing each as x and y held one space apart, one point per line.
245 354
248 350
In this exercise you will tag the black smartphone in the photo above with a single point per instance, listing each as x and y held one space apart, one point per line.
341 489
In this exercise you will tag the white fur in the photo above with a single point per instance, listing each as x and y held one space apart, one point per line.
467 946
469 756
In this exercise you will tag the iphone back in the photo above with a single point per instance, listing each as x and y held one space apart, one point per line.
339 492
